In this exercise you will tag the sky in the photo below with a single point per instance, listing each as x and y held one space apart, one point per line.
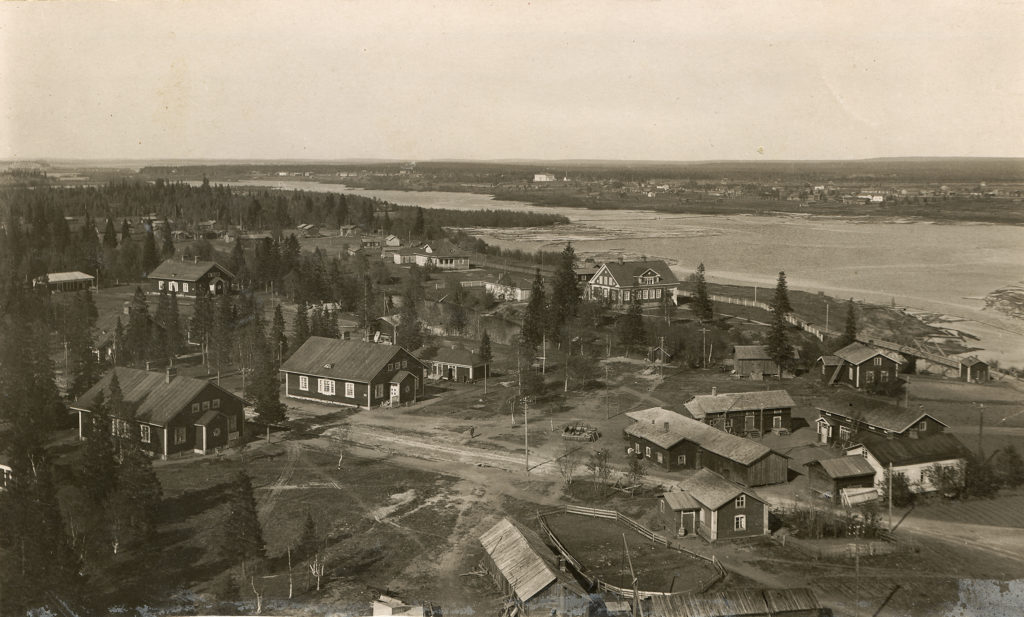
510 80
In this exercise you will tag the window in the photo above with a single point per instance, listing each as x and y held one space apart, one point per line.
325 386
350 390
405 363
739 522
179 435
215 403
869 377
922 426
850 373
184 287
378 391
885 376
864 452
303 383
206 405
637 447
160 285
660 459
877 361
657 292
728 424
144 433
232 424
195 407
647 451
741 502
777 422
681 459
844 433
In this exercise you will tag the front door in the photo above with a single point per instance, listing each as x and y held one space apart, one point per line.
686 524
200 439
776 421
396 393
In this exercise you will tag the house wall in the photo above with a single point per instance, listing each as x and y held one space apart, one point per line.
763 421
931 427
867 372
754 511
401 361
669 457
765 367
915 474
821 482
293 389
976 373
770 469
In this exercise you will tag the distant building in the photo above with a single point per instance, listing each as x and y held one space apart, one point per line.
186 277
543 177
715 509
831 476
914 458
455 364
754 361
620 282
66 281
973 370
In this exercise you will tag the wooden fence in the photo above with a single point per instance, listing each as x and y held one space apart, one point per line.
817 331
850 550
638 528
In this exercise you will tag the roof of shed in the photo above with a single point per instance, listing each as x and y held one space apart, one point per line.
339 359
184 270
680 500
859 353
701 405
733 603
155 400
650 425
845 467
462 357
523 559
934 448
64 277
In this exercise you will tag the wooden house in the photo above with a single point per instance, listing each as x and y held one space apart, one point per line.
840 427
620 282
170 413
66 281
354 373
441 255
860 366
672 441
831 476
973 370
744 413
715 509
528 572
914 458
186 277
455 364
754 361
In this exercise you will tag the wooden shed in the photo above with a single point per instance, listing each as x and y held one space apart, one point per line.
973 370
798 602
832 475
529 574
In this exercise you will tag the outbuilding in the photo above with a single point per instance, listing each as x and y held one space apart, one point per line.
744 413
66 281
914 458
455 364
831 475
754 361
973 370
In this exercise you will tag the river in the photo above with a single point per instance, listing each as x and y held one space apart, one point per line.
940 268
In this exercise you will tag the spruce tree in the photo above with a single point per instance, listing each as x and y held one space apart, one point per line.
173 326
150 258
566 293
267 386
222 336
110 235
278 339
236 264
120 349
485 348
702 307
203 318
301 326
536 309
126 230
167 250
241 537
778 346
137 334
161 318
780 303
631 325
418 225
850 330
98 467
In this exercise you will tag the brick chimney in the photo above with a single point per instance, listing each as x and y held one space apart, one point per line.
170 374
665 427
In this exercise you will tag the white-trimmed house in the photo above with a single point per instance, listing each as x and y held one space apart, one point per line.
914 458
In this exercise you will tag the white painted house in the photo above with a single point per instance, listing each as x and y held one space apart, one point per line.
911 457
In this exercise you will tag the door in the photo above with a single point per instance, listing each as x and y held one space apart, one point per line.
687 523
748 422
776 422
200 445
396 393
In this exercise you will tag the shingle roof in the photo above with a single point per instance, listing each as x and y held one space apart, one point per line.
845 467
523 559
650 425
680 500
700 406
463 357
339 359
627 271
752 352
859 353
940 447
184 270
711 489
969 361
155 400
831 360
888 417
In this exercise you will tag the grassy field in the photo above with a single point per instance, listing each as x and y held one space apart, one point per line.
1007 510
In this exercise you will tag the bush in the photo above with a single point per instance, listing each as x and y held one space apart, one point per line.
902 495
812 523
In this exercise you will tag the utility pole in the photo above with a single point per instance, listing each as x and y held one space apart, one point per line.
890 496
906 394
526 433
826 317
981 418
543 354
703 346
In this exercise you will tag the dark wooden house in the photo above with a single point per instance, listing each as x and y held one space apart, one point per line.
890 421
754 361
170 414
673 441
714 508
528 572
973 370
356 373
186 277
454 364
860 366
831 475
744 413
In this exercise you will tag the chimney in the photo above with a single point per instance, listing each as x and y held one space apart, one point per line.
561 564
195 259
714 391
171 374
126 309
666 427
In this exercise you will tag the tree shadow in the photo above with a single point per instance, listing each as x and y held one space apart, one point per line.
190 503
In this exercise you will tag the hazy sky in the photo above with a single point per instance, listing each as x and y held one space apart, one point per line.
511 79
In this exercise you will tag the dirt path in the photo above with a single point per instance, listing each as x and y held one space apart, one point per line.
266 503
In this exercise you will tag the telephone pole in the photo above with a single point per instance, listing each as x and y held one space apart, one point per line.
703 346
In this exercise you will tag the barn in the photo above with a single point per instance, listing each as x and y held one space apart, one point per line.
527 572
831 475
973 370
754 361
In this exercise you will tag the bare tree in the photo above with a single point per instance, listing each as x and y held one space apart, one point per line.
598 466
568 462
317 566
258 589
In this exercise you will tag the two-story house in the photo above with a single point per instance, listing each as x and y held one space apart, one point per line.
887 421
620 282
860 366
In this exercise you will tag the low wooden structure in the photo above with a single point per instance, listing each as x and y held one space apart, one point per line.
973 370
800 602
830 476
754 361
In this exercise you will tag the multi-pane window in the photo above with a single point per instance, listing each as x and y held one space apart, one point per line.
647 451
660 460
350 389
378 391
739 522
681 459
195 407
206 405
179 435
144 433
877 361
922 426
303 383
215 403
741 502
325 386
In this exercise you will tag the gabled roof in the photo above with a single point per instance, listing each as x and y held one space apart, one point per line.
701 405
680 500
523 559
650 425
185 270
756 352
888 417
830 360
339 359
462 357
933 448
859 353
969 361
625 272
712 490
845 467
154 399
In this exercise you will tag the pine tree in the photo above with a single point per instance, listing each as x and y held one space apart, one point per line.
485 348
566 293
98 467
278 339
137 335
241 538
109 235
150 258
850 330
167 250
301 326
533 321
631 325
702 308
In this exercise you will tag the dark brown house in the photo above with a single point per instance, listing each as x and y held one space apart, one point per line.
714 508
754 361
973 370
744 413
841 427
171 414
860 366
672 441
831 475
455 365
186 277
355 373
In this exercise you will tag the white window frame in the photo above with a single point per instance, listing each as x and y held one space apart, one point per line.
877 361
681 459
184 288
144 433
922 426
325 386
160 284
741 502
378 391
303 383
739 522
179 431
660 459
647 451
350 389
